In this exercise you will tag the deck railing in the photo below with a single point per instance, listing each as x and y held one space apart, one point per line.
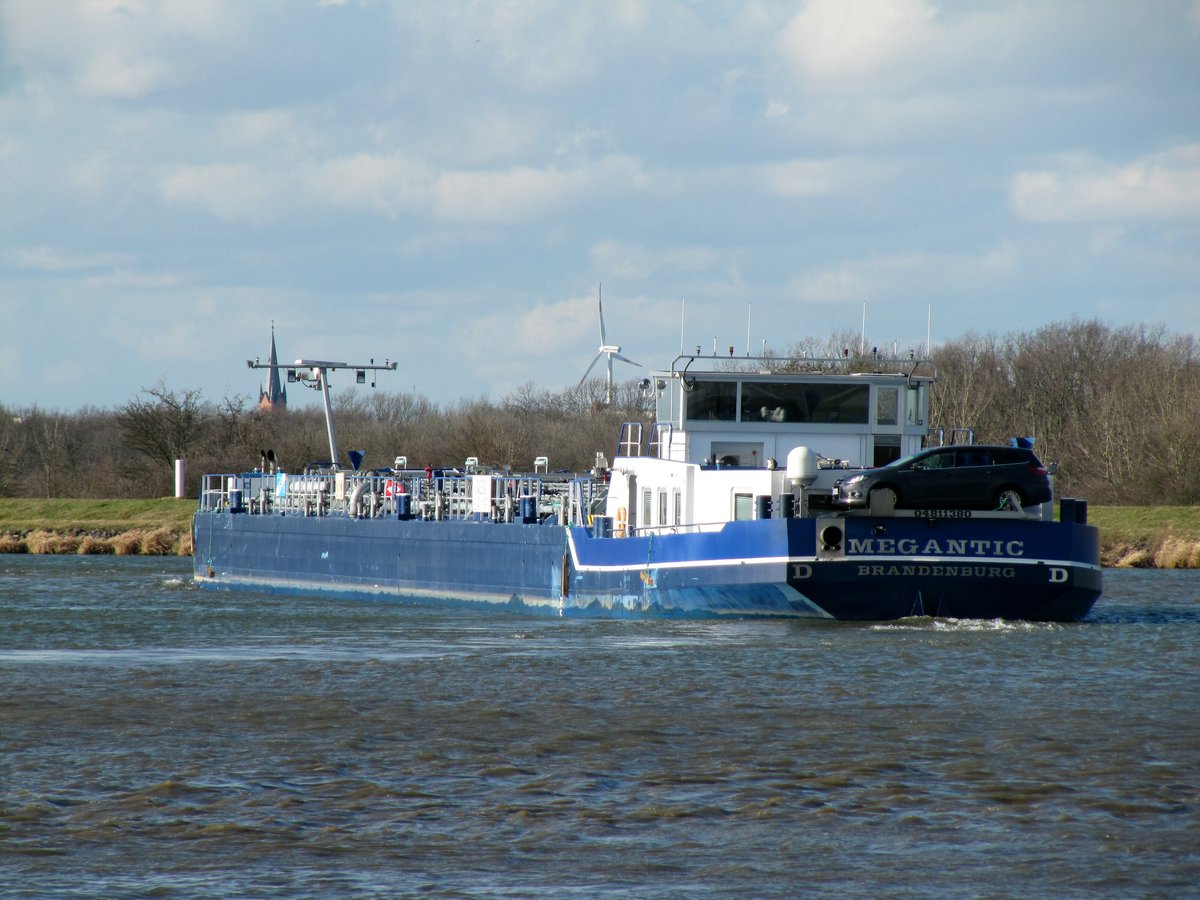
410 494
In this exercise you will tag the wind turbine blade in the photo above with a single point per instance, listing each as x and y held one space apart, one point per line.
591 366
626 359
600 303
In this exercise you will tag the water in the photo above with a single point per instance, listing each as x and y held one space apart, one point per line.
157 740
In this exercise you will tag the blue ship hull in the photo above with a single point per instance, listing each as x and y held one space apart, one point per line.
877 569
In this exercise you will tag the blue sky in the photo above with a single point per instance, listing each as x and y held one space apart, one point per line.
446 183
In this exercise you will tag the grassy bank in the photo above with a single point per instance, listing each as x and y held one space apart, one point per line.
1162 537
121 527
1166 537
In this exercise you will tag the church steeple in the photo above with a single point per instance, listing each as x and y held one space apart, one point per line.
272 397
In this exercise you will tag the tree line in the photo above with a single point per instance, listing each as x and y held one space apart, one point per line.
1116 408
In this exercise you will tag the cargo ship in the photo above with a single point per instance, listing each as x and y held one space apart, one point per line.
726 504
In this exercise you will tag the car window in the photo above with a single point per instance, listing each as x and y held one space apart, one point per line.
974 456
943 459
1016 455
903 462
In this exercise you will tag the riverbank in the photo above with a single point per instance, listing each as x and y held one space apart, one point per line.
1162 537
117 527
1148 537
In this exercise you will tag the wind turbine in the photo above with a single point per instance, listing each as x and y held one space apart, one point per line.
612 351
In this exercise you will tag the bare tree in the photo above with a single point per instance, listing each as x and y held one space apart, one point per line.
11 450
164 425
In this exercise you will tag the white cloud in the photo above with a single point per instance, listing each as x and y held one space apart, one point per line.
231 191
389 185
126 278
108 48
570 321
52 259
542 46
209 20
834 285
846 41
241 131
166 332
392 185
113 74
509 196
814 177
638 262
882 277
1162 186
524 193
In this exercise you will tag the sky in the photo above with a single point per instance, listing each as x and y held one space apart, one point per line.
449 183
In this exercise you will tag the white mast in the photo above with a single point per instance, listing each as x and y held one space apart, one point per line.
318 370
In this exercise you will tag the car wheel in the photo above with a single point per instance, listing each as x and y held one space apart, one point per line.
883 497
1010 499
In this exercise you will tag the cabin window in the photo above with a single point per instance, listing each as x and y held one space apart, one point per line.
647 501
887 449
662 507
768 401
743 507
712 401
736 453
678 498
887 402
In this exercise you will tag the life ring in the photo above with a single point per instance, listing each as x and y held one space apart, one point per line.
620 530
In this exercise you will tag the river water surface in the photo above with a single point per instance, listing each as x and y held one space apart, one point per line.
158 740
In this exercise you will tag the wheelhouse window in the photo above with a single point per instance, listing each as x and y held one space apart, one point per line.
765 401
743 507
712 401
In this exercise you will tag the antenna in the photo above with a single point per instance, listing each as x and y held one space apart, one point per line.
928 325
749 310
862 340
682 310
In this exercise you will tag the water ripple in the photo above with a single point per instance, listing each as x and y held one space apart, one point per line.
162 741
